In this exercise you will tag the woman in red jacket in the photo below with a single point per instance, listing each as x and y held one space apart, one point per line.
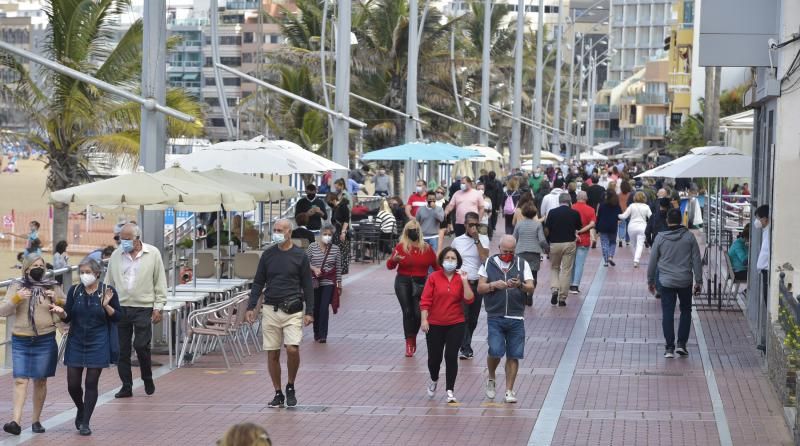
443 318
412 257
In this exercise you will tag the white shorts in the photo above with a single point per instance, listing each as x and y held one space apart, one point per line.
279 328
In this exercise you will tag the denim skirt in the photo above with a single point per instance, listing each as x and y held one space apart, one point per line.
34 357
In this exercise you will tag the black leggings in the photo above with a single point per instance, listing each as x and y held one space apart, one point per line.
444 339
408 290
84 402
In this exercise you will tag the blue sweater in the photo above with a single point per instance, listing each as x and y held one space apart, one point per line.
738 255
607 220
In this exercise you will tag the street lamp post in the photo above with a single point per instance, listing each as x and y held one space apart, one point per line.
341 139
557 99
516 106
411 92
486 65
568 121
537 95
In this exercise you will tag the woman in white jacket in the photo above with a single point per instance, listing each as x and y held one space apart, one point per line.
639 212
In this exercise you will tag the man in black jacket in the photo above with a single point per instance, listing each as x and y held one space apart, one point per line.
562 225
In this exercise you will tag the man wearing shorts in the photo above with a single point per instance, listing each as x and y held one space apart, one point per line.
505 279
284 274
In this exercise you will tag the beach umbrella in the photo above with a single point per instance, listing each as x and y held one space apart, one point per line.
592 156
259 188
421 151
705 162
487 153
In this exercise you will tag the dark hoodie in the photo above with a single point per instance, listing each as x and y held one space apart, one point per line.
655 226
676 254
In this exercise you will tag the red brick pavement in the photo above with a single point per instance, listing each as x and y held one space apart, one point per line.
359 389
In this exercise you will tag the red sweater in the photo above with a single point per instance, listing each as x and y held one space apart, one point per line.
415 264
443 299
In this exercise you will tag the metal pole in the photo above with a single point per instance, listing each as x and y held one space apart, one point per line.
153 136
537 95
581 120
486 61
557 100
411 91
383 107
336 113
174 251
466 124
590 136
516 105
341 137
147 103
570 105
223 102
194 249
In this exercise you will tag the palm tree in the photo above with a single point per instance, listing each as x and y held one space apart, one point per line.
70 118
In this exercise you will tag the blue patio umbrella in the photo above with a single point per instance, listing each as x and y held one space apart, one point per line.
435 151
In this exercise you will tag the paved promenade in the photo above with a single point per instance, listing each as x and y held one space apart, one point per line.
593 374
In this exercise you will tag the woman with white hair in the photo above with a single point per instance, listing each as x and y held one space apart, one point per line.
93 311
33 300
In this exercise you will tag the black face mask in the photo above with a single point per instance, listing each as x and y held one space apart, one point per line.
311 196
36 274
413 235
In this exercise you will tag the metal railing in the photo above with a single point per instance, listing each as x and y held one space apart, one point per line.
651 98
645 131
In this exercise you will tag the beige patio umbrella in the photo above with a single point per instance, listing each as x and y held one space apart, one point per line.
258 188
196 185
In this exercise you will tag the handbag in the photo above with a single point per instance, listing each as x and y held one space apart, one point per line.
329 275
336 299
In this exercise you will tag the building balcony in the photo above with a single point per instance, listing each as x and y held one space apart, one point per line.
601 133
247 4
680 81
649 132
194 22
651 99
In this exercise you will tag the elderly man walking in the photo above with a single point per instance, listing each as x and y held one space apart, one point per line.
561 227
284 274
505 280
136 271
676 257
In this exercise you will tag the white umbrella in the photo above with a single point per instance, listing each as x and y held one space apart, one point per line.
222 194
705 162
592 156
267 157
260 189
528 165
487 153
298 151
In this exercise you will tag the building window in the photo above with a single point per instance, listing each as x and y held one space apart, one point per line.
209 62
210 81
233 18
273 38
248 37
247 57
231 81
214 102
217 122
230 40
231 61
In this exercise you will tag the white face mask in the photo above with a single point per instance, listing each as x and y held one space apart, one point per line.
326 239
449 265
463 186
419 189
480 191
278 237
88 278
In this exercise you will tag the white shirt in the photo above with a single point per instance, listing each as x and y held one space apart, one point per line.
550 201
130 267
638 213
471 258
526 274
763 253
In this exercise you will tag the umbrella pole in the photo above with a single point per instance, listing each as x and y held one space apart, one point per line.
194 249
230 240
270 219
174 251
260 225
219 260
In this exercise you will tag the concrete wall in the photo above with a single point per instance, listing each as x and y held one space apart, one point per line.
785 209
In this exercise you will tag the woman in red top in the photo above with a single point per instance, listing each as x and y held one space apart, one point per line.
443 318
412 257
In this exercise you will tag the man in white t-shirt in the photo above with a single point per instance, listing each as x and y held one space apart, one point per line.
505 280
474 249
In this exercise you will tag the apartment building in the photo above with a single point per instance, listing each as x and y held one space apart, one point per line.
637 31
680 54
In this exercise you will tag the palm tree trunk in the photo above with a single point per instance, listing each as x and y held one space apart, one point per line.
708 104
714 124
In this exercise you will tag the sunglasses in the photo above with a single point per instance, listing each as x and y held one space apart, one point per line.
472 225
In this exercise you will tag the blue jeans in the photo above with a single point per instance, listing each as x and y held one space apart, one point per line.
506 337
580 258
622 231
669 296
608 241
434 242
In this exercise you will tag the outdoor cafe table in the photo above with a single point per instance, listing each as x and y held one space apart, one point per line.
222 290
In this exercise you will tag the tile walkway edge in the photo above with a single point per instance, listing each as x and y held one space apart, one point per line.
711 380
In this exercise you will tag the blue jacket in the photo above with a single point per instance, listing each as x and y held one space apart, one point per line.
607 220
738 255
93 341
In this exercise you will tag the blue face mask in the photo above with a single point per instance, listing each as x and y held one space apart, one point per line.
126 245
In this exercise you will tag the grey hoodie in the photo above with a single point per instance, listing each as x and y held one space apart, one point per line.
676 254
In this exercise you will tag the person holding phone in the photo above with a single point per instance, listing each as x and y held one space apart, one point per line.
443 318
505 279
412 257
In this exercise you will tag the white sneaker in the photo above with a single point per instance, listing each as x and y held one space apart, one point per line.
431 389
511 397
490 390
450 397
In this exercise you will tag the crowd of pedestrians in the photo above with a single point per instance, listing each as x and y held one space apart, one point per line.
558 214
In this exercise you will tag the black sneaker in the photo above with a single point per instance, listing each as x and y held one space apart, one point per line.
78 419
37 428
12 428
124 392
291 399
681 351
611 262
574 290
149 387
562 303
554 298
620 244
462 354
278 401
669 353
85 430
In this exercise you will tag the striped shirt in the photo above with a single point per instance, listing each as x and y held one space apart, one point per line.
316 254
386 221
530 236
